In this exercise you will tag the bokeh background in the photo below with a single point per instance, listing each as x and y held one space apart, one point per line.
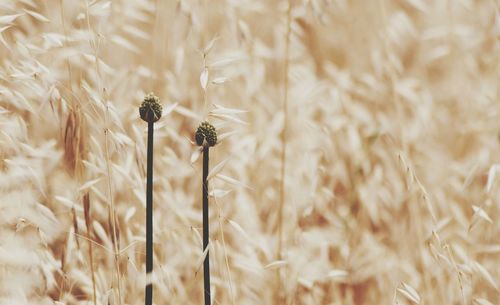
357 161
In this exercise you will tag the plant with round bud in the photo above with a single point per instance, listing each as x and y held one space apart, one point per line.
206 132
205 136
150 109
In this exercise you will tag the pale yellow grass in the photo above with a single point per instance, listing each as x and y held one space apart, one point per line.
392 138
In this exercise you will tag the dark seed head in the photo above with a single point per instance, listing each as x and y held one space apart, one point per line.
206 132
150 110
199 137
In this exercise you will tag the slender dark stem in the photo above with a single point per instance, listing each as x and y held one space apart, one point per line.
149 218
206 263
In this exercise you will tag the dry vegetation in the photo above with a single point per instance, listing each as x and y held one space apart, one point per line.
392 136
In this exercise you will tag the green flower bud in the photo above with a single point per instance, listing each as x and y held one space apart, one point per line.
150 110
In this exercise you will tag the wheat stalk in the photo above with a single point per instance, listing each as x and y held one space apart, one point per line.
282 198
88 224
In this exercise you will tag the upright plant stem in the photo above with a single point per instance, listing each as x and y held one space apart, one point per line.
149 218
112 214
88 224
206 136
279 250
206 263
150 112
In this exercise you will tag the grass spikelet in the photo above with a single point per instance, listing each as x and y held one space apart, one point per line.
75 226
74 144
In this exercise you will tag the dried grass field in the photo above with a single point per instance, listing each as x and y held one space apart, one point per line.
358 159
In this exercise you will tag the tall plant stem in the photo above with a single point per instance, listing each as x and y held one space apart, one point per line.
88 224
283 148
112 214
150 112
149 218
206 263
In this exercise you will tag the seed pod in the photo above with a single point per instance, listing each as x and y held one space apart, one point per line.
206 132
211 136
150 109
199 137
